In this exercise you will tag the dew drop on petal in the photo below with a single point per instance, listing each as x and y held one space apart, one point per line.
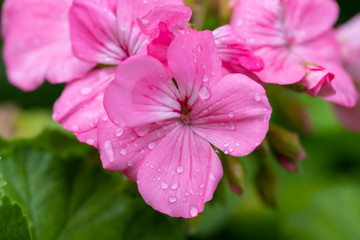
172 199
237 144
226 145
202 185
123 152
151 145
119 131
257 97
205 78
204 93
174 186
226 151
232 126
109 150
130 163
164 185
180 169
199 48
231 115
212 177
194 211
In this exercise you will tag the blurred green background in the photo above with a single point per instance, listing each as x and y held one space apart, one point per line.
320 202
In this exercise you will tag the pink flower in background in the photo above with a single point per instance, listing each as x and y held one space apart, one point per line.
289 35
348 36
37 43
105 33
163 131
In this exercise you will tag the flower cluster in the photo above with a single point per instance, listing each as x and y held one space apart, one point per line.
158 98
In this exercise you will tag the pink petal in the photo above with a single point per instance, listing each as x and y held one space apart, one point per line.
305 19
318 81
88 137
123 149
81 103
175 17
346 93
348 36
236 116
350 117
142 93
260 22
180 174
233 49
194 62
94 33
37 43
282 66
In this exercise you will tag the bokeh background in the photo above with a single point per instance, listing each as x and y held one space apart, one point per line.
319 202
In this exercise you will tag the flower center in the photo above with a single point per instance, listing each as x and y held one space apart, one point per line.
185 113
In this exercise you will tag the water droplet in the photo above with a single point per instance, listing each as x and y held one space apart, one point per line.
212 177
204 93
119 131
264 119
130 163
151 145
237 144
174 186
212 73
199 48
202 185
205 78
85 91
226 145
180 169
172 199
109 150
257 97
105 118
203 65
231 149
231 114
186 194
232 126
194 211
90 141
226 151
123 152
164 185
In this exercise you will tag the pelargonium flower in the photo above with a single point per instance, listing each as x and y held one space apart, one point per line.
163 122
105 33
348 36
37 43
291 34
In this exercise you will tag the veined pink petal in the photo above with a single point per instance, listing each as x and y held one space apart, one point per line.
81 103
282 66
141 96
37 43
175 17
309 19
194 66
318 81
260 22
236 116
89 137
94 32
346 93
349 116
348 36
180 174
124 149
233 49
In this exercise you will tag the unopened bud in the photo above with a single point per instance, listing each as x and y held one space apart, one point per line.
235 173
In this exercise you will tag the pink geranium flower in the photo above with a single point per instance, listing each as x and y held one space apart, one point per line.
348 36
160 131
291 34
37 43
105 33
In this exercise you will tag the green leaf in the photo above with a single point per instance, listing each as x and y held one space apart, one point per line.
332 214
66 194
13 225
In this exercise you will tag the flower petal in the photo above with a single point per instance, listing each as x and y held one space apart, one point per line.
349 116
81 103
194 62
180 174
94 33
142 93
233 49
37 43
236 117
124 149
282 66
318 81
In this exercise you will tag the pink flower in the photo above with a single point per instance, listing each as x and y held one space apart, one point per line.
163 131
106 33
289 34
37 43
348 36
